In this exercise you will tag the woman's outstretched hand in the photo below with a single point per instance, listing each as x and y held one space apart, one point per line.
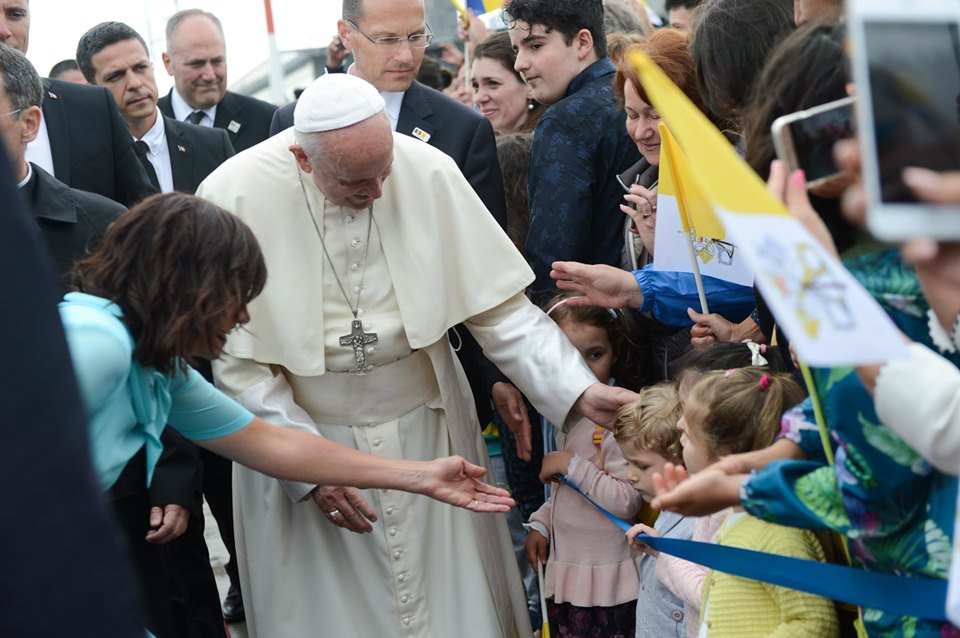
597 285
703 493
455 481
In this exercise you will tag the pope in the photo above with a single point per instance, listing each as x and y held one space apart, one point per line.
377 245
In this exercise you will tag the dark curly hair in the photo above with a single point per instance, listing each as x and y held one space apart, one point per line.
176 265
567 17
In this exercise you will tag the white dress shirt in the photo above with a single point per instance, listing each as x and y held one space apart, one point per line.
394 100
39 152
182 110
26 180
159 154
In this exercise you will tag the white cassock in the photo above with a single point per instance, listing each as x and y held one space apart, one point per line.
436 258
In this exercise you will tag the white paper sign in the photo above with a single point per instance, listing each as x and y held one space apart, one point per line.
828 316
718 258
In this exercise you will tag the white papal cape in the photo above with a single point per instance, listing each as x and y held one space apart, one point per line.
436 258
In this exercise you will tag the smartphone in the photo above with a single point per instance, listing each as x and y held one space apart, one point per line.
805 139
906 67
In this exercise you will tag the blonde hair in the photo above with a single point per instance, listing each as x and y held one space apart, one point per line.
650 422
743 407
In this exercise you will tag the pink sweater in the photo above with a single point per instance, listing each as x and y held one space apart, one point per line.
685 579
590 563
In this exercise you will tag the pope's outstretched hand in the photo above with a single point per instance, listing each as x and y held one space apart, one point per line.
600 403
455 481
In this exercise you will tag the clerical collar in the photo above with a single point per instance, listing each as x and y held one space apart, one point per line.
182 110
393 99
154 138
26 180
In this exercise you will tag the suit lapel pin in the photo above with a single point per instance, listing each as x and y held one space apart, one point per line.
181 148
233 126
53 96
421 135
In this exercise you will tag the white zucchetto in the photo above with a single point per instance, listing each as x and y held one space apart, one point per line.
335 101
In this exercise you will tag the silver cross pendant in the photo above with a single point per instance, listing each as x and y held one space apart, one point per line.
359 340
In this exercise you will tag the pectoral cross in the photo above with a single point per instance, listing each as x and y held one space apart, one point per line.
358 340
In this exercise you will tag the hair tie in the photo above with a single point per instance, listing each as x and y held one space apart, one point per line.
764 382
729 373
563 302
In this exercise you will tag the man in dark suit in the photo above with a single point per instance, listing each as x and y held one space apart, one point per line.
177 156
196 58
81 140
55 583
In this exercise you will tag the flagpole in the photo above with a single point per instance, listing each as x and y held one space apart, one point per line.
695 263
274 63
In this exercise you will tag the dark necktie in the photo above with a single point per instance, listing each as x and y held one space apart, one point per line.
196 117
142 149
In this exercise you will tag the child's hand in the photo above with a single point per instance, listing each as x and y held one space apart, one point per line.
553 464
535 548
635 531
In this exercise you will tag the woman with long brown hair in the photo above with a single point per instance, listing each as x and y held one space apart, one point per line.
167 283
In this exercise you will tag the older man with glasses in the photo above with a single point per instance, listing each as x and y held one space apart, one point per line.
388 40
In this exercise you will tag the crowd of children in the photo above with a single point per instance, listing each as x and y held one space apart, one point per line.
600 584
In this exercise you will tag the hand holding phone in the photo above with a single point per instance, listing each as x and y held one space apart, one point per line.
805 139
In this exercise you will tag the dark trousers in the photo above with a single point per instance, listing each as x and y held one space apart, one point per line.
179 590
131 505
195 597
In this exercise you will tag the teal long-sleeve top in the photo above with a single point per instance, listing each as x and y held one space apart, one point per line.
127 404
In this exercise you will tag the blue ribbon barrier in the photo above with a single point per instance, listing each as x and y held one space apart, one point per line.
899 595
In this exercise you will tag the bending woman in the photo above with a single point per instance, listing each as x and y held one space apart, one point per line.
167 283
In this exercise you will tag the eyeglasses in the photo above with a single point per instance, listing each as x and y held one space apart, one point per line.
416 41
11 113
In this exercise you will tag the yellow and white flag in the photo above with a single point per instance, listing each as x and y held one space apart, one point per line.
685 215
828 316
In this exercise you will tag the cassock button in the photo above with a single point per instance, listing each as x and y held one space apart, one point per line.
393 531
390 510
406 621
355 243
377 443
402 578
404 598
356 289
397 555
349 219
354 267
